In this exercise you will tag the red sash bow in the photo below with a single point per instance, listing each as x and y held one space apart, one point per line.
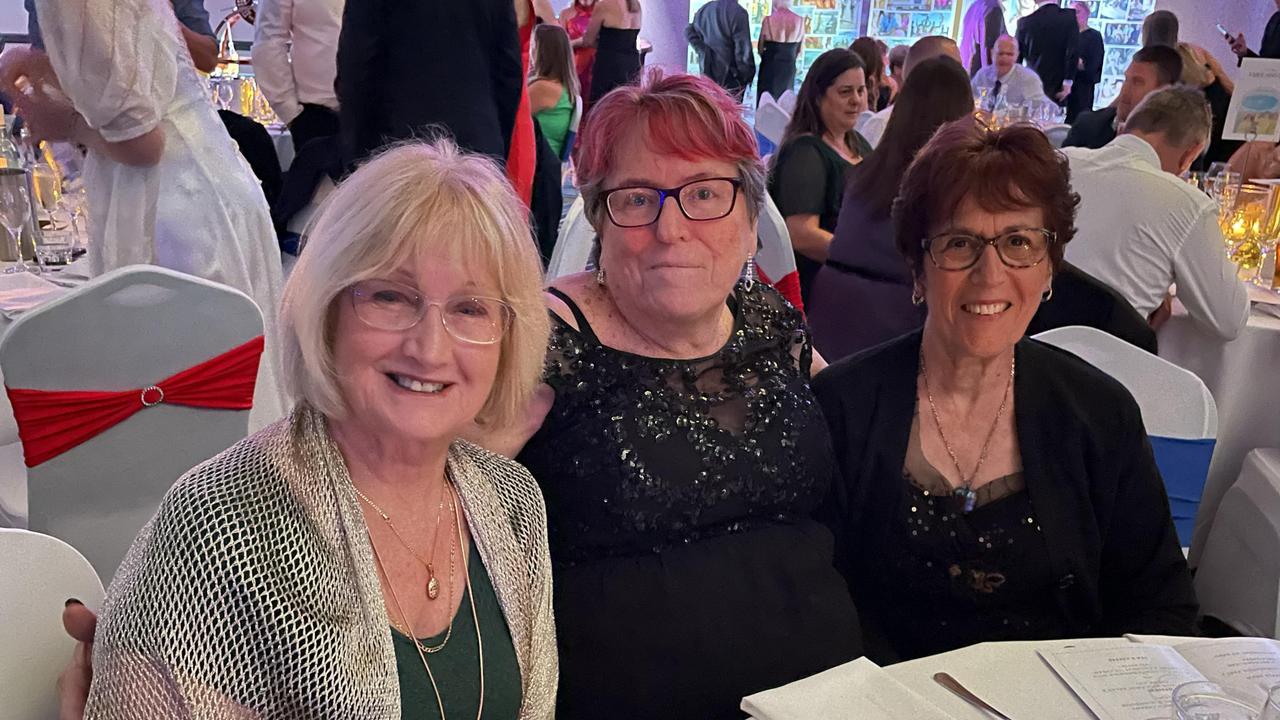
51 422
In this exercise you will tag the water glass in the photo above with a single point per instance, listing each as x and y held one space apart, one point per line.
15 210
55 247
1203 700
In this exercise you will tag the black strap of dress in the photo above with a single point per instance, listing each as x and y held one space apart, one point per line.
584 327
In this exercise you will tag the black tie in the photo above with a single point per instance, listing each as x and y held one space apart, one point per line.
995 92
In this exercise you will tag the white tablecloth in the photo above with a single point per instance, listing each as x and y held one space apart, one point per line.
1244 377
1009 676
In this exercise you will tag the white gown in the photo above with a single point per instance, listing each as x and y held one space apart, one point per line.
200 210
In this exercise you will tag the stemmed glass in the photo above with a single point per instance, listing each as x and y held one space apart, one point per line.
15 208
1271 711
1202 700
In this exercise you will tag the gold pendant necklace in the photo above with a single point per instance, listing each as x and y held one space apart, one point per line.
966 491
475 616
433 585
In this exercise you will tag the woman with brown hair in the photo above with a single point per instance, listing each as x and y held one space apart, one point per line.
992 487
817 150
869 49
553 89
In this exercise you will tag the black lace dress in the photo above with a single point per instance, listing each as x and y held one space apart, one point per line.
689 570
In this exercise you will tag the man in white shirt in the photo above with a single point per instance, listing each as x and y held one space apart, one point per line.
295 60
1140 229
1005 78
871 125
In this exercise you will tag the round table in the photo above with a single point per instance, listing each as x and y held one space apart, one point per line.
1244 377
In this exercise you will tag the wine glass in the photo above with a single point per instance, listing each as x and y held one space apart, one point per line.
1203 700
15 209
1271 711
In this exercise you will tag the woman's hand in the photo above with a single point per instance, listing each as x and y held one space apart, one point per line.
24 62
73 684
48 117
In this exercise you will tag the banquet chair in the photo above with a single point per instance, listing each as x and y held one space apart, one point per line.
40 573
1178 411
1057 134
128 329
1238 577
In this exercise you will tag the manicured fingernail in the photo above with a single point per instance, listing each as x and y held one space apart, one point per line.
71 601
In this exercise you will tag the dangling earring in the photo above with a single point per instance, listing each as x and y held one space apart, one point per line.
600 276
1047 296
917 296
749 273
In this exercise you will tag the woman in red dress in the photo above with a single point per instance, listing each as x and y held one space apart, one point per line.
575 20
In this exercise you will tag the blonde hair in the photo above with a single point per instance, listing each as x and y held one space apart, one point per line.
412 198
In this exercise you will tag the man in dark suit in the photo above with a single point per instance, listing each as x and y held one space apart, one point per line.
1152 68
405 69
1047 40
721 35
1089 65
1270 47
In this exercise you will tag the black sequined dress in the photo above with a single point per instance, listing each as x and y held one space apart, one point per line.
688 568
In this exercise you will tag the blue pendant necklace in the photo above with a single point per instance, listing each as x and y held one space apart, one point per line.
966 492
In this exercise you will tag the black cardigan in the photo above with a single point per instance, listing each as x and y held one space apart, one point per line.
1089 472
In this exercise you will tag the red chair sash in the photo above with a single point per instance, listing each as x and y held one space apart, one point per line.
51 422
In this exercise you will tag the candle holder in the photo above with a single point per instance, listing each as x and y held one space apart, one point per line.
1250 226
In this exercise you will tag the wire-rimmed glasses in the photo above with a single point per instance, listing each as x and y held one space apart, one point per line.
1019 248
705 199
389 305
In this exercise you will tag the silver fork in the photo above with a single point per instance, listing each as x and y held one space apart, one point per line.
965 694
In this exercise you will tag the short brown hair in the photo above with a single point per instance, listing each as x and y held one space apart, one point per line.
1013 168
1179 113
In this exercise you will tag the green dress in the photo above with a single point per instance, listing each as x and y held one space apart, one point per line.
554 122
456 670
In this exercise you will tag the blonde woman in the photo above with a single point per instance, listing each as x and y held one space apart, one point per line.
359 559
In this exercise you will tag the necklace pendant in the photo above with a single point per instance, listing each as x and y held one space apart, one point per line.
433 587
969 496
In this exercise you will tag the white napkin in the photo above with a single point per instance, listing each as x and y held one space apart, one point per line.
860 689
20 292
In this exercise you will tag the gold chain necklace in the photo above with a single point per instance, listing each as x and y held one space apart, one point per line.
408 629
475 616
966 490
433 585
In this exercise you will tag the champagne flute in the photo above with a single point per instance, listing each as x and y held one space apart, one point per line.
15 209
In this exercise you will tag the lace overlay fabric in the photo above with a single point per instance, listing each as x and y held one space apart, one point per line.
669 451
253 591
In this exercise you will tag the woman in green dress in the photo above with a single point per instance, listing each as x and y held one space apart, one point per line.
553 89
806 179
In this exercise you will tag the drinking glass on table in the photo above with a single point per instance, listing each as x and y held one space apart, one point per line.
55 247
1271 711
1203 700
15 209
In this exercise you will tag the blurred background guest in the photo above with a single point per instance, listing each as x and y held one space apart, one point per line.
818 149
197 34
1006 79
983 23
721 35
683 456
1200 69
469 50
1142 229
1270 47
1047 43
553 86
868 48
614 27
862 294
1150 69
871 126
781 36
165 184
295 62
575 19
993 487
1089 49
897 60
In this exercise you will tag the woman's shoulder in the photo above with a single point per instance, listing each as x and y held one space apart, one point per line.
506 485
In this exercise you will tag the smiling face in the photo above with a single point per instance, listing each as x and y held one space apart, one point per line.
419 385
982 311
844 100
676 267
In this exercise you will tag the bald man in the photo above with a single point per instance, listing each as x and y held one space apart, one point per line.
871 125
1005 78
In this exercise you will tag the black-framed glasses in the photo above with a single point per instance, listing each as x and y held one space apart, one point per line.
389 305
705 199
1020 248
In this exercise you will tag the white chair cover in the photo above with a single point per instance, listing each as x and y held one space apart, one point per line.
128 328
1174 402
39 574
1238 579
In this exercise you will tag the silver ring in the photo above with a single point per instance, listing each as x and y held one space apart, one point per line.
155 402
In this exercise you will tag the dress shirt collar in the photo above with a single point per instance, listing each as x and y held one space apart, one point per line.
1140 149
